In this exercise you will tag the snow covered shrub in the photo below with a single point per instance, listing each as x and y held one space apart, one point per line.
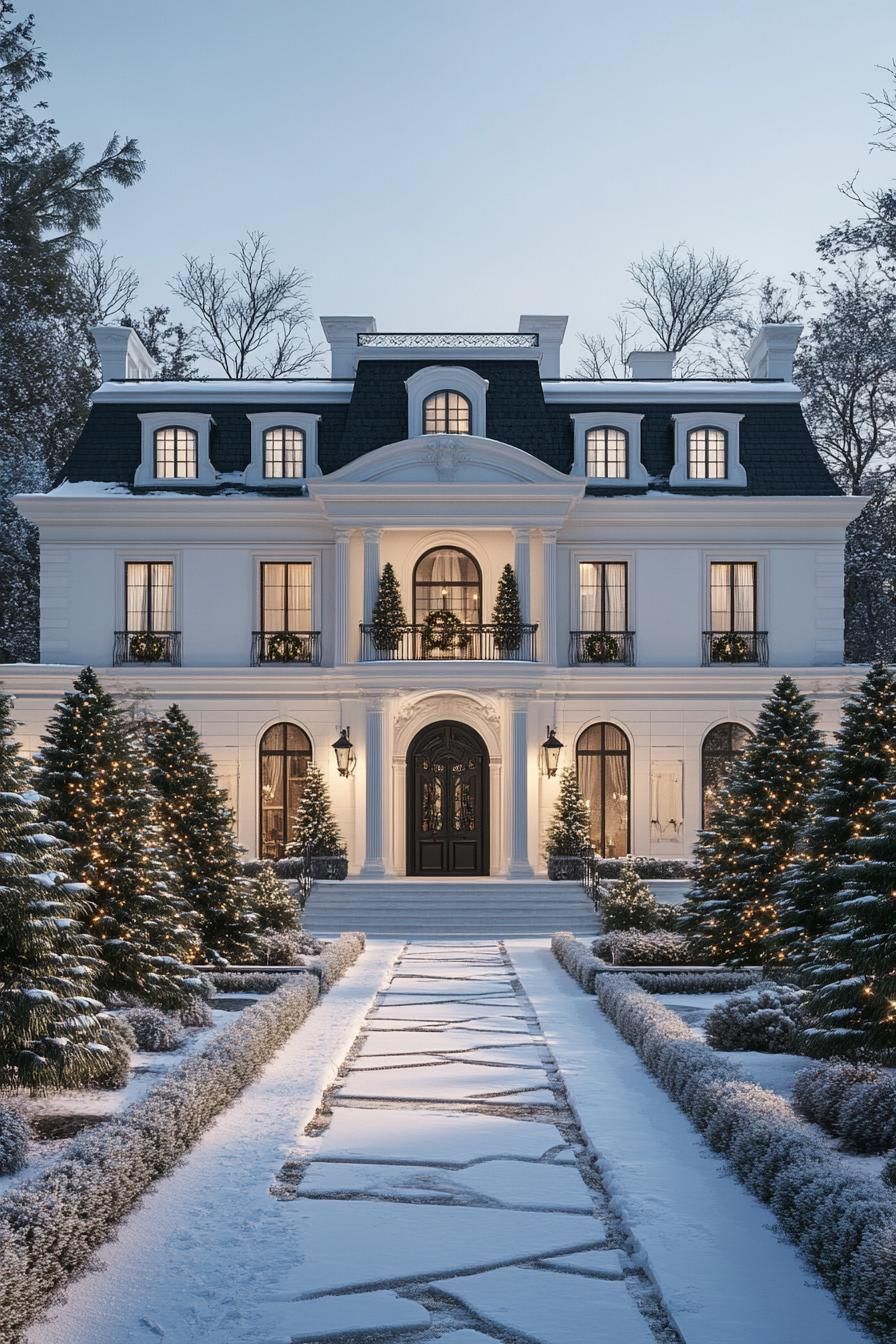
695 982
866 1119
608 870
284 947
628 904
767 1017
576 959
196 1014
643 949
888 1175
819 1092
336 957
250 982
119 1039
154 1031
13 1140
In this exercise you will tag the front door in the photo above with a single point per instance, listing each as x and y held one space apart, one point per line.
447 803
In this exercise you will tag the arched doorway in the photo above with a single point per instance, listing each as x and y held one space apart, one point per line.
284 755
448 579
603 764
447 805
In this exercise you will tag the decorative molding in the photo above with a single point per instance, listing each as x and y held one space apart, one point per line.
446 456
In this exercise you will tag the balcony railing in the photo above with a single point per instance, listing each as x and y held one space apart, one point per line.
415 643
449 340
283 647
596 647
146 647
733 647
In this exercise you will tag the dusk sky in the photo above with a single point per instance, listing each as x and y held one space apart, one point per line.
451 165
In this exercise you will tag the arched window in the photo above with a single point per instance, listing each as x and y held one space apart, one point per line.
721 747
176 452
448 579
707 454
606 452
446 413
284 452
603 764
284 757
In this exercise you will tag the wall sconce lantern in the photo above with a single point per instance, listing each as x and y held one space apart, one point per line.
345 754
550 753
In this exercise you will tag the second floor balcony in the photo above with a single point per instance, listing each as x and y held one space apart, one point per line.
146 647
283 647
444 636
735 647
596 647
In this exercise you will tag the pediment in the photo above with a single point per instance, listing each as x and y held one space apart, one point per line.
459 458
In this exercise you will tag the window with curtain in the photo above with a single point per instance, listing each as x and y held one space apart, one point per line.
448 579
286 597
176 452
606 452
284 452
603 764
732 597
721 747
603 595
446 413
149 597
707 454
284 757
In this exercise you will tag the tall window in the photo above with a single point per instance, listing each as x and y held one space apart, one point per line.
149 597
606 452
284 757
284 452
603 596
286 597
707 454
721 747
603 763
448 579
176 452
732 597
446 413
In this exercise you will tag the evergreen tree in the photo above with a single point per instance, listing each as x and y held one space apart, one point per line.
52 1028
271 900
731 913
314 827
95 775
507 617
388 617
852 780
630 904
197 828
569 833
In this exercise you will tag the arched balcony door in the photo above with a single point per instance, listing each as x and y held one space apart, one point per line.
448 579
284 755
603 764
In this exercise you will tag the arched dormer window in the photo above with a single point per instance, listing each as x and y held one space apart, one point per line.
175 453
284 453
283 449
707 453
607 448
707 450
447 413
174 449
606 453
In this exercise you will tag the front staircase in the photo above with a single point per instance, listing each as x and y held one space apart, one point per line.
483 907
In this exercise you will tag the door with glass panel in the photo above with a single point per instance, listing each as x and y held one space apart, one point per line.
447 775
149 636
286 635
284 757
448 604
603 764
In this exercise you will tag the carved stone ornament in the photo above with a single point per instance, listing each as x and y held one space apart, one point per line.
446 456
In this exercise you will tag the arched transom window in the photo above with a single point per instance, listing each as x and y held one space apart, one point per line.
721 747
284 757
448 579
176 452
446 413
707 453
606 453
284 452
603 764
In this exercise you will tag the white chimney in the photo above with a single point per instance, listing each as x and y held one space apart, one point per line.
772 350
645 365
342 336
122 354
550 332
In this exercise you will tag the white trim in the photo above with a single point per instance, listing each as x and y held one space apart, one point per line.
306 421
630 423
231 389
676 390
723 420
445 378
150 423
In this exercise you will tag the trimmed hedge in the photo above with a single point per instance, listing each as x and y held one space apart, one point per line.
695 982
633 948
250 982
844 1223
336 957
51 1225
609 870
14 1136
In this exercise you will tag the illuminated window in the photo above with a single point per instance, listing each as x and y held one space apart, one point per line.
603 596
176 453
448 579
732 597
285 597
284 757
606 453
446 413
707 454
284 452
149 597
603 765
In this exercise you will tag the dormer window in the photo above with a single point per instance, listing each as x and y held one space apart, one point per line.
284 453
707 454
707 450
176 453
446 413
283 448
607 448
174 449
606 453
446 399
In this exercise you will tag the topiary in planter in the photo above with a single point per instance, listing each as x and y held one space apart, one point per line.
154 1031
388 619
507 617
768 1018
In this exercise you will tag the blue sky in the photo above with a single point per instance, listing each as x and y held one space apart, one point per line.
451 165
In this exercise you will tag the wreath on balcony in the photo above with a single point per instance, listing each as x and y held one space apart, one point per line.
148 648
288 648
443 632
600 648
730 648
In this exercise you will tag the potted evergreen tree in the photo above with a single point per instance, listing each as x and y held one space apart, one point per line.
507 618
569 835
315 832
388 621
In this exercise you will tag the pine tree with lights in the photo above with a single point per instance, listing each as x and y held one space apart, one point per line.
270 898
507 615
853 779
94 773
731 914
388 617
569 833
314 828
52 1028
197 828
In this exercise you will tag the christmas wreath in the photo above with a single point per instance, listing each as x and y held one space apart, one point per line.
288 648
600 648
444 632
148 648
730 648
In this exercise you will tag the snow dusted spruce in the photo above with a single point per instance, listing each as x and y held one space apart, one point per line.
314 827
844 1224
154 1031
765 1017
630 904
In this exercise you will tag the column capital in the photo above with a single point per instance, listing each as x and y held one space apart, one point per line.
522 533
372 533
343 534
549 534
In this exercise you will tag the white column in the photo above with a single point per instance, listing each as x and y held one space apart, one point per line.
374 862
547 635
371 570
341 606
521 569
519 790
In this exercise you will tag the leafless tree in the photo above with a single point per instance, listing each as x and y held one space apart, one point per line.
605 356
682 296
726 356
253 319
107 285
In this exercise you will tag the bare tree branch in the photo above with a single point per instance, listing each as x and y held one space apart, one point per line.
108 287
683 295
605 356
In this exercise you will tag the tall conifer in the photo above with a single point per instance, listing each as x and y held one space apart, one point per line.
570 830
314 827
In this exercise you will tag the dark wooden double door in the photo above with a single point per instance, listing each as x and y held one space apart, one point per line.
447 803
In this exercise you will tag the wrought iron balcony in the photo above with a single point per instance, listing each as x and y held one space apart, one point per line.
449 340
415 643
732 647
602 646
284 647
146 647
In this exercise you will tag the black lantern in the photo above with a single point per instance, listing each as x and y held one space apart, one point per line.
551 748
345 754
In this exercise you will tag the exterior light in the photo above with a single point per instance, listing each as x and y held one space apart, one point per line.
345 754
551 748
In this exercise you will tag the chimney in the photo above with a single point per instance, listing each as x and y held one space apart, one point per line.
771 352
550 332
342 336
645 365
122 354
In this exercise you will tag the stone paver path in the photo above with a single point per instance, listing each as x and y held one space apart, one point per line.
444 1192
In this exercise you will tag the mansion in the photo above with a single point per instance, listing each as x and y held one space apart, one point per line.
677 544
